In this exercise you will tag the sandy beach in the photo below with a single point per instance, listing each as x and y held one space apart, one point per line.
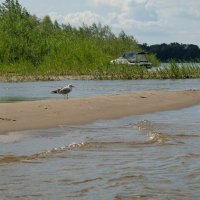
53 113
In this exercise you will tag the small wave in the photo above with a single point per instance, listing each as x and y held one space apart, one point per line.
184 136
70 182
11 159
145 126
158 137
30 158
90 145
154 132
188 156
150 129
102 145
125 180
135 197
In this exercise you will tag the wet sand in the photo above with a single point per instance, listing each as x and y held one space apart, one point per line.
52 113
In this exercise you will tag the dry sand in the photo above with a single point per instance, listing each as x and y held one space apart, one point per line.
52 113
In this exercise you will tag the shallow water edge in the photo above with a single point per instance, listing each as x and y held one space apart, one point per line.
154 156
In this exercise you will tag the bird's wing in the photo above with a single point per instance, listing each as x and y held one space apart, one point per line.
65 89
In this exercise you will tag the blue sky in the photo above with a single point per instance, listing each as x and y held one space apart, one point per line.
149 21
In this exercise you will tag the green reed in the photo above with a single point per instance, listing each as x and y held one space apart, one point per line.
101 72
177 71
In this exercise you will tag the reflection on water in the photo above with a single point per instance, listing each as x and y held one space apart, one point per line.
155 156
42 90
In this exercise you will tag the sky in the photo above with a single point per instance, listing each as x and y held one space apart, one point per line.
148 21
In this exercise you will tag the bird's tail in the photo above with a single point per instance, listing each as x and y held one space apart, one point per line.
54 92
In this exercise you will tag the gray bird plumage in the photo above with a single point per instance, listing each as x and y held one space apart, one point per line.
64 90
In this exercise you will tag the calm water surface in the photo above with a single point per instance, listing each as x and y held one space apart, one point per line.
42 90
154 156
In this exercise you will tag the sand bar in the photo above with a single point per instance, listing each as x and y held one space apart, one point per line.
52 113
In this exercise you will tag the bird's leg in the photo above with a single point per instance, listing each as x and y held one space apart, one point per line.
67 96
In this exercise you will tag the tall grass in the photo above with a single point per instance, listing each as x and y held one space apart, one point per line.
41 49
104 72
177 71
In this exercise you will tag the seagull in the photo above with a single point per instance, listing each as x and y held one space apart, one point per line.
64 90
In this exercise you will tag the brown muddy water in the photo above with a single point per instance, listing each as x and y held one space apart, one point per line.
155 156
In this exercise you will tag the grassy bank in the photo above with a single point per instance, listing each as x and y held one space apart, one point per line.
109 72
177 71
35 47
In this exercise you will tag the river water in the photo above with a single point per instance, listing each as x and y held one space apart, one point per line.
154 156
42 90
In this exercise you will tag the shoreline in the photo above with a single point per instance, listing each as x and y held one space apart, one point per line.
32 78
42 114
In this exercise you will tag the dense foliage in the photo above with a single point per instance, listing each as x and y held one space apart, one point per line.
32 43
174 51
44 50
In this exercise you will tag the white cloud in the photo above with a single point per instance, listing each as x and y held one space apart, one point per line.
151 21
55 16
77 18
107 2
116 2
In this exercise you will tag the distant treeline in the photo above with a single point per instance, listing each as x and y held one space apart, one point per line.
174 51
